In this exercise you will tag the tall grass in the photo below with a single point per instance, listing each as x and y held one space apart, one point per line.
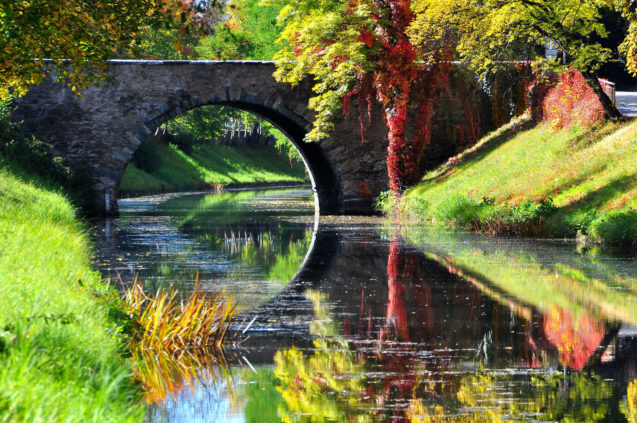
166 322
175 339
62 349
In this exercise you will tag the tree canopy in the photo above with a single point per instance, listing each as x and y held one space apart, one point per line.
248 33
490 33
629 46
86 34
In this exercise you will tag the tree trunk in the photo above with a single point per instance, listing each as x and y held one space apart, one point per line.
610 109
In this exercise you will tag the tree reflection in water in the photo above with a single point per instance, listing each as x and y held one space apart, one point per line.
328 385
629 408
344 380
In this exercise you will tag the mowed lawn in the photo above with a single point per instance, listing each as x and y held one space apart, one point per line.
208 165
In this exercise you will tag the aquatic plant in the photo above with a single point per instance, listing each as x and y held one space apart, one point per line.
175 340
165 322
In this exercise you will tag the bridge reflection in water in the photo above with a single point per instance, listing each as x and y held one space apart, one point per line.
458 328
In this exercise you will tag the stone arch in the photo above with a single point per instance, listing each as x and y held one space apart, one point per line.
104 127
323 177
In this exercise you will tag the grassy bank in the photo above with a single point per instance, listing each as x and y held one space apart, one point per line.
534 180
162 167
61 348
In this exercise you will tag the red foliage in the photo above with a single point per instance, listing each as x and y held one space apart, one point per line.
363 190
396 310
392 83
575 338
565 100
571 101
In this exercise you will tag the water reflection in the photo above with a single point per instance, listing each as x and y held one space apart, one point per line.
418 337
420 370
444 327
249 243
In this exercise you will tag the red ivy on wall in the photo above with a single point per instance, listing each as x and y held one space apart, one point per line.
398 82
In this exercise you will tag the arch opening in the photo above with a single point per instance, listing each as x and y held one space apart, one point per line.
321 173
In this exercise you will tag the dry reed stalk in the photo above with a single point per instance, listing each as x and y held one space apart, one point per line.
174 338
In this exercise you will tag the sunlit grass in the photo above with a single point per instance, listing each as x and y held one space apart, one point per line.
590 175
61 348
209 165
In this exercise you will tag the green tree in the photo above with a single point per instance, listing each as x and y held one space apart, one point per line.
629 46
86 34
249 33
360 49
489 33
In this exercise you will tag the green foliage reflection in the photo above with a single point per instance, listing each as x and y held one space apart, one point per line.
334 383
326 386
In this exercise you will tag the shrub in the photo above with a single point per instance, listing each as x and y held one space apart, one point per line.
526 218
385 202
571 101
615 226
183 141
461 209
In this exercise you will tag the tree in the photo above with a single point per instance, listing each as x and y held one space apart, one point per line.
360 49
490 33
629 46
248 33
86 34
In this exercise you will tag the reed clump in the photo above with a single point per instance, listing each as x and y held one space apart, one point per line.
167 322
175 340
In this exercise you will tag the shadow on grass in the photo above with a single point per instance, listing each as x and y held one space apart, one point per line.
601 196
480 151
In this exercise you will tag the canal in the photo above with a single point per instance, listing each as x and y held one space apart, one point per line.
355 319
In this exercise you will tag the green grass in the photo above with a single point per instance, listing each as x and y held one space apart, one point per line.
61 350
210 165
589 175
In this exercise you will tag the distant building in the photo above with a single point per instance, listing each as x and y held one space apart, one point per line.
550 49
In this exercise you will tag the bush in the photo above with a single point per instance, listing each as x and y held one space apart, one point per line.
617 227
182 141
526 218
385 202
461 209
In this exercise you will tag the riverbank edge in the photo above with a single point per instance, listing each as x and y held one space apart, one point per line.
206 166
530 214
63 348
223 188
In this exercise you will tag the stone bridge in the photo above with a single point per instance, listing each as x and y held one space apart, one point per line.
103 127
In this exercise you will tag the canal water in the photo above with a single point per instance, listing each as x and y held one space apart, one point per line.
353 319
